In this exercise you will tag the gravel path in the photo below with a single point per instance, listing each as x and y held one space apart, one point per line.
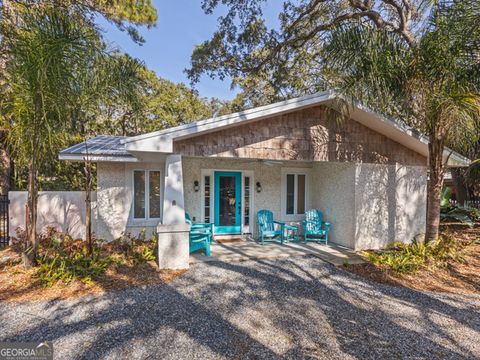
291 308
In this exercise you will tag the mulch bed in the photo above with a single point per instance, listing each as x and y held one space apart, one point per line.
456 277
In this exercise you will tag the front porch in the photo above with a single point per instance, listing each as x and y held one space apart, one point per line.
367 205
246 248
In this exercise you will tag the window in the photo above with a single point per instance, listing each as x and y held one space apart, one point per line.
146 194
295 195
139 194
206 190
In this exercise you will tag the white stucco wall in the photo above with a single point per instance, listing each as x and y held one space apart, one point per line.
113 208
62 210
173 198
115 199
390 204
334 194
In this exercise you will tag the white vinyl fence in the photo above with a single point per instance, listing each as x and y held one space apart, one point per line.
63 210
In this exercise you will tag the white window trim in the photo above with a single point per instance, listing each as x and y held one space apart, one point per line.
296 172
147 195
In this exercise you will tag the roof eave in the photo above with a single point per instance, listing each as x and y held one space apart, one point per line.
96 158
212 124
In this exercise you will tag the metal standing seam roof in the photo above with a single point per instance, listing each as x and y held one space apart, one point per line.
99 145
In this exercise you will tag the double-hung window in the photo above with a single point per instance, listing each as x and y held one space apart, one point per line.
146 194
295 194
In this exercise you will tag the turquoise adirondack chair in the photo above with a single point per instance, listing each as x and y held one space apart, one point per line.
200 236
269 230
314 228
200 240
198 226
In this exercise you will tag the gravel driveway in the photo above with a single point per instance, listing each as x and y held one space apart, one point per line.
291 308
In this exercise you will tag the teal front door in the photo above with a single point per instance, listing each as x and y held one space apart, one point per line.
228 204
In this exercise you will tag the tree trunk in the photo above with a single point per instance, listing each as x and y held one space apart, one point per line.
434 188
29 256
5 165
88 207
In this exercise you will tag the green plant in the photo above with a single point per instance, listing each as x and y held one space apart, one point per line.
409 258
144 250
446 197
63 259
464 215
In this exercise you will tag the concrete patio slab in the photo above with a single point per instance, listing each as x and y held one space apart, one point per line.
249 249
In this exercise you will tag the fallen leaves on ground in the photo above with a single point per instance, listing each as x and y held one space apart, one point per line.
18 284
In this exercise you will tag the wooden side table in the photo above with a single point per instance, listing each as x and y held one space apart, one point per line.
291 233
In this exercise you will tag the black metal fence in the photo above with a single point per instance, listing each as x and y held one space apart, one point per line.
4 239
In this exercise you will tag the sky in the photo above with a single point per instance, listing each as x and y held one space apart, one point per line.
181 25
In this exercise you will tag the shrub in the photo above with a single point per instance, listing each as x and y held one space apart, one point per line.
409 258
134 249
61 258
465 215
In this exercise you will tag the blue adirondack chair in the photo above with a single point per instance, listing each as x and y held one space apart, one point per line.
314 228
200 240
269 230
200 236
198 226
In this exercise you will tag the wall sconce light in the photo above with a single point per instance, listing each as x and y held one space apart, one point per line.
258 186
196 186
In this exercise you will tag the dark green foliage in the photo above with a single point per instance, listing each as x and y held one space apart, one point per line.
63 259
59 64
409 258
465 215
451 213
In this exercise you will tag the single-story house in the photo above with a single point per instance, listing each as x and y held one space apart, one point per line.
368 175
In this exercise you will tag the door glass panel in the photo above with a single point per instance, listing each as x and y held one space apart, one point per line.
246 201
227 200
206 210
